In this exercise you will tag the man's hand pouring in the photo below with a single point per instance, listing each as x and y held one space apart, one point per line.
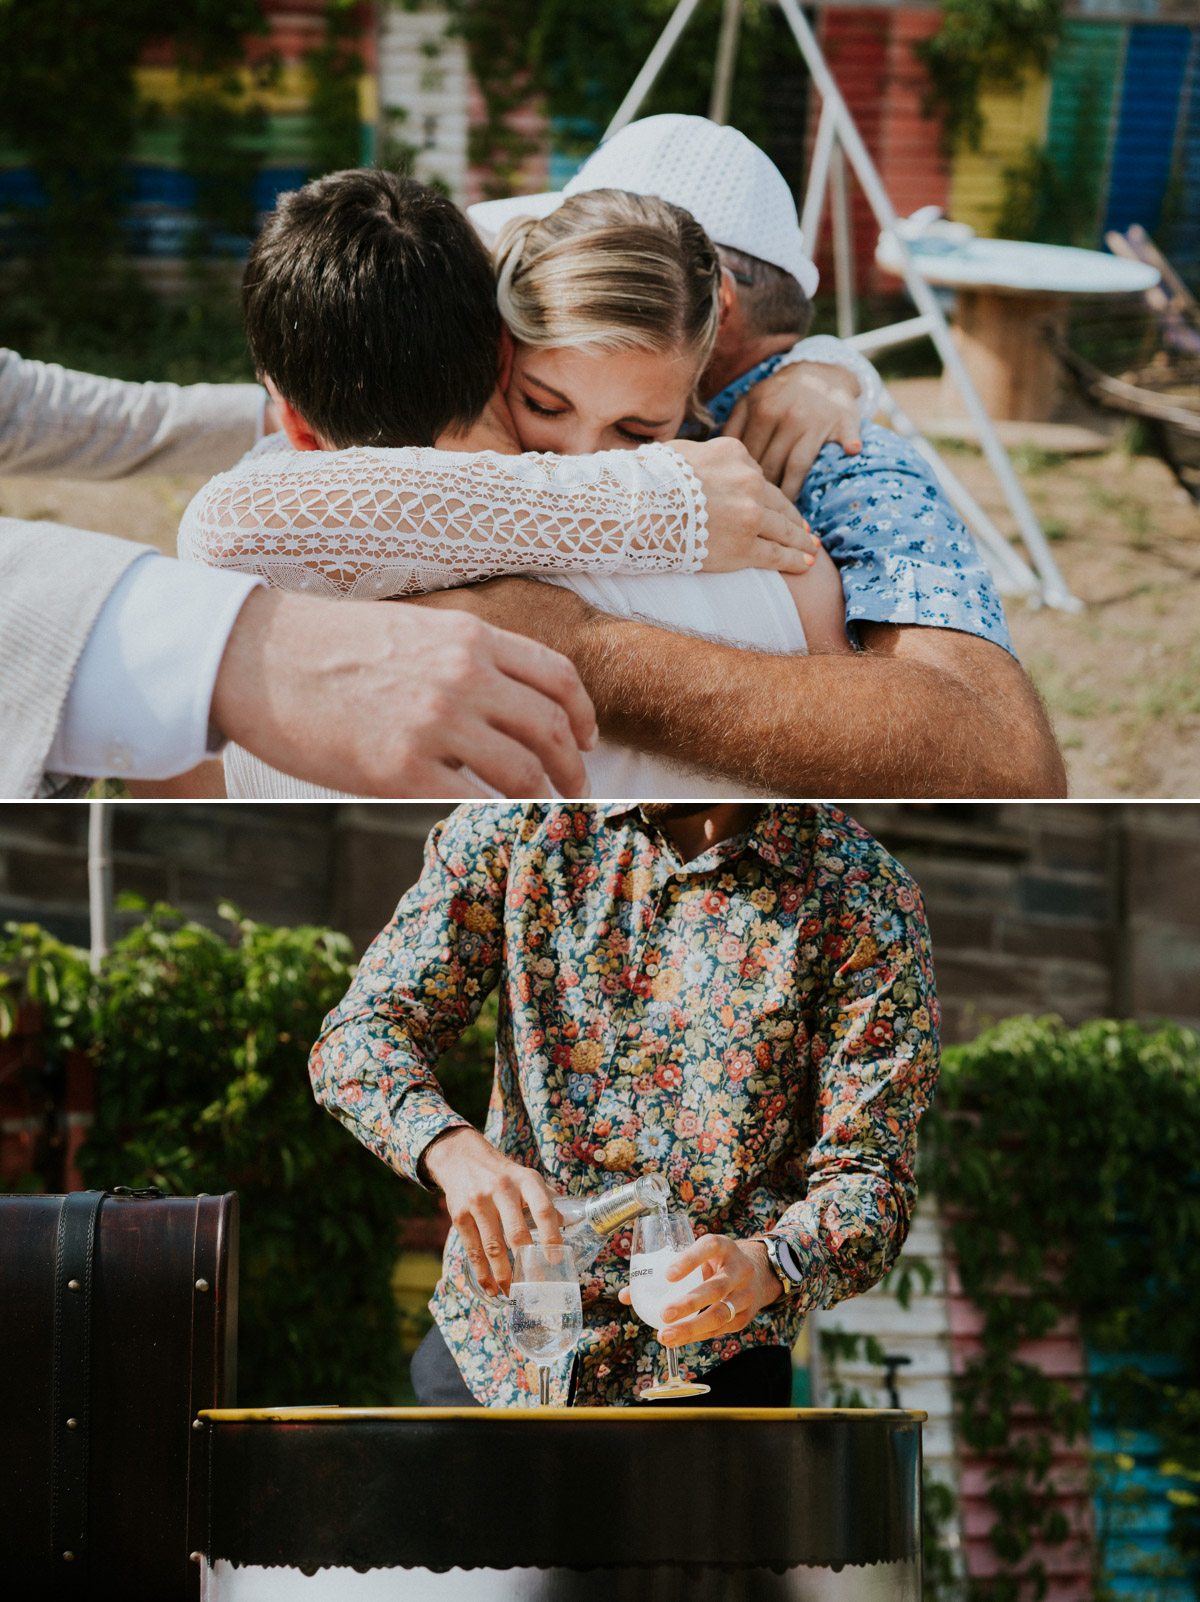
487 1196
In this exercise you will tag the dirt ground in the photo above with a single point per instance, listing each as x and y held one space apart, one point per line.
1121 679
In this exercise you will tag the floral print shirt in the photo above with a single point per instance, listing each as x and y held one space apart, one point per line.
759 1025
902 552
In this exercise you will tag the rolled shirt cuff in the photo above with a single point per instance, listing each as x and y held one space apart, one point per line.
830 352
813 1262
139 703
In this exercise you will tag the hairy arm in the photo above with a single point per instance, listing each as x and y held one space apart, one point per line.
919 712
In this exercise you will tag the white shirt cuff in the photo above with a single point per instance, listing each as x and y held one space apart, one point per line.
139 702
830 352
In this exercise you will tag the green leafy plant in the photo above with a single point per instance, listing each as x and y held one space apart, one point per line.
1068 1164
982 44
68 102
38 970
44 994
576 60
223 143
201 1040
334 70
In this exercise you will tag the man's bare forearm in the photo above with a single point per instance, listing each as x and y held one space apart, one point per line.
920 712
875 724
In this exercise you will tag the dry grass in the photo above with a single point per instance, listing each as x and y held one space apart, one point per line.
146 509
1122 678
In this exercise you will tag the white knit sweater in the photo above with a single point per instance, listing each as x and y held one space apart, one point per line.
54 580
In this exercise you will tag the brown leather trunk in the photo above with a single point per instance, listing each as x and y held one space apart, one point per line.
118 1323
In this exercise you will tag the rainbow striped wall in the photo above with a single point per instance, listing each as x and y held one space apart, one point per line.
1117 114
275 79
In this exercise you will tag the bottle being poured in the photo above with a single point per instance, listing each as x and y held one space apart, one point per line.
589 1222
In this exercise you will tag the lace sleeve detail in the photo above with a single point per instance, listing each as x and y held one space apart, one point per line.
368 523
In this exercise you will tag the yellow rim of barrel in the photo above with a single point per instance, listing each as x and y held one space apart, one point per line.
323 1415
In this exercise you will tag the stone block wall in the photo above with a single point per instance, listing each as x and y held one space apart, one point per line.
1082 909
321 863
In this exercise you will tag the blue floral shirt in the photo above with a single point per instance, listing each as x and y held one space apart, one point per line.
759 1025
902 552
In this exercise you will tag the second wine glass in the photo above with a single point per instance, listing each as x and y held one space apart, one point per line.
547 1313
658 1239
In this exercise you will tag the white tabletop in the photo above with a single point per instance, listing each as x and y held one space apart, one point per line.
1021 267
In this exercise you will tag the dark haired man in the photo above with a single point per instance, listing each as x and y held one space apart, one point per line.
738 997
370 304
115 660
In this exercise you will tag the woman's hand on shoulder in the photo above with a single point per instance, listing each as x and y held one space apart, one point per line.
750 522
785 420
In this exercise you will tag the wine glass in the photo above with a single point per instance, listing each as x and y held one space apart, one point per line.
547 1313
658 1239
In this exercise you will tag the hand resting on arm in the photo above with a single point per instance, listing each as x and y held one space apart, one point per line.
786 419
372 699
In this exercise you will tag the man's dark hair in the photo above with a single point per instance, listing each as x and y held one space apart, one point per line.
771 299
371 303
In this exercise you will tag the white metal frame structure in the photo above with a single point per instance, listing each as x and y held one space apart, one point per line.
838 142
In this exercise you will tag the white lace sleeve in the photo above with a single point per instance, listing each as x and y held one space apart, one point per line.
368 523
830 352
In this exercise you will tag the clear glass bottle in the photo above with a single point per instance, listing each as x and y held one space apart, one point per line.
589 1221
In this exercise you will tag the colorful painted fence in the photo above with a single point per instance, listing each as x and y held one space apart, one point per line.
269 101
1110 136
1118 119
1109 1484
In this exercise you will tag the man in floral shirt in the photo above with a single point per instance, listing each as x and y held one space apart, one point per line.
737 996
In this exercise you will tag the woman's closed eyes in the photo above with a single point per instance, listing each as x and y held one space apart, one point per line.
571 401
540 410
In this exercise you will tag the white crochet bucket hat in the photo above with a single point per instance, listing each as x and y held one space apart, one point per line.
733 189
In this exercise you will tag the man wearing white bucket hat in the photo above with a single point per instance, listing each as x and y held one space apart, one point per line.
742 201
934 702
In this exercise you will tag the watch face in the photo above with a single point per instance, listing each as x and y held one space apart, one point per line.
787 1261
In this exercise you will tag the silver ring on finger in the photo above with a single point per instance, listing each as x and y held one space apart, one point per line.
733 1313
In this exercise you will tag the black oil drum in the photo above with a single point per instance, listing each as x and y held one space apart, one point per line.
632 1504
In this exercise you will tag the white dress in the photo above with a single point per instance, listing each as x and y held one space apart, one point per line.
624 529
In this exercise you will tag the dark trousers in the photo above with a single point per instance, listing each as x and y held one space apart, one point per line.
761 1376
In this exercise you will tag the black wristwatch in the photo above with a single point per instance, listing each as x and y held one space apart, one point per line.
783 1262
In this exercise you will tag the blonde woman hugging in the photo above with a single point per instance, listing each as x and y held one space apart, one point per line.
417 430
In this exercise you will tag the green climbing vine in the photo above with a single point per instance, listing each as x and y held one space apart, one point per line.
576 60
70 112
334 70
69 103
1067 1162
201 1039
980 44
